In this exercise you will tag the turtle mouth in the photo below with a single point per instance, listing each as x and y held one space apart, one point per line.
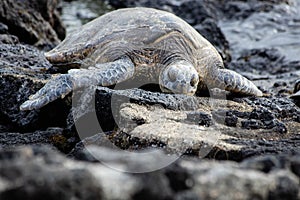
165 89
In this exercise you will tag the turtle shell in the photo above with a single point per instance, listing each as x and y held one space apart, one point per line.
125 31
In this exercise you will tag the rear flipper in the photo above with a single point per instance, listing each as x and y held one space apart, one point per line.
234 82
102 74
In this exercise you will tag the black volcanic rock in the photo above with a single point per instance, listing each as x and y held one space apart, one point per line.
33 22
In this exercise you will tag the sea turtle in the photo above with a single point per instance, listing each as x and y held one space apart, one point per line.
143 44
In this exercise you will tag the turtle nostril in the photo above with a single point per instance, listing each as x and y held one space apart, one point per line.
194 81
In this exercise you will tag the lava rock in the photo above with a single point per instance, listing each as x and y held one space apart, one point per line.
234 136
250 126
22 73
9 140
33 22
54 137
49 9
269 60
238 9
231 119
225 117
33 172
104 108
201 118
263 118
282 108
39 173
262 146
23 57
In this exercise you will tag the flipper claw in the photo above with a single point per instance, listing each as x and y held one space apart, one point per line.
54 89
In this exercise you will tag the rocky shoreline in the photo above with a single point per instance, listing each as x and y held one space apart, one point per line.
226 147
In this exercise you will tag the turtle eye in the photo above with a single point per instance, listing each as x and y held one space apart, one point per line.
194 81
172 74
297 86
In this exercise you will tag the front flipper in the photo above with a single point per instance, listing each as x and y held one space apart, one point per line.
57 87
233 82
102 74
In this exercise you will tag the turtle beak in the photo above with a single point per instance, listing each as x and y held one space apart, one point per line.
166 90
53 56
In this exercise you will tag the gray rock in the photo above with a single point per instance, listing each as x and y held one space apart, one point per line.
264 66
22 72
43 174
23 58
39 172
54 137
177 132
221 129
227 181
9 140
50 11
33 22
105 104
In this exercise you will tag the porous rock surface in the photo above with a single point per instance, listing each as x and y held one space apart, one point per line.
231 129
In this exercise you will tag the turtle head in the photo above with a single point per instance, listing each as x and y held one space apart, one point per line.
179 78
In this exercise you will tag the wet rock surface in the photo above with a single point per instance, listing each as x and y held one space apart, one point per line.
182 142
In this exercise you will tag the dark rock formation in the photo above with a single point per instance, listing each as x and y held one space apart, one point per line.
55 137
232 130
38 172
33 22
21 74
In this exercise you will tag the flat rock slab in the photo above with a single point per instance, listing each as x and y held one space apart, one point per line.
179 132
218 128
